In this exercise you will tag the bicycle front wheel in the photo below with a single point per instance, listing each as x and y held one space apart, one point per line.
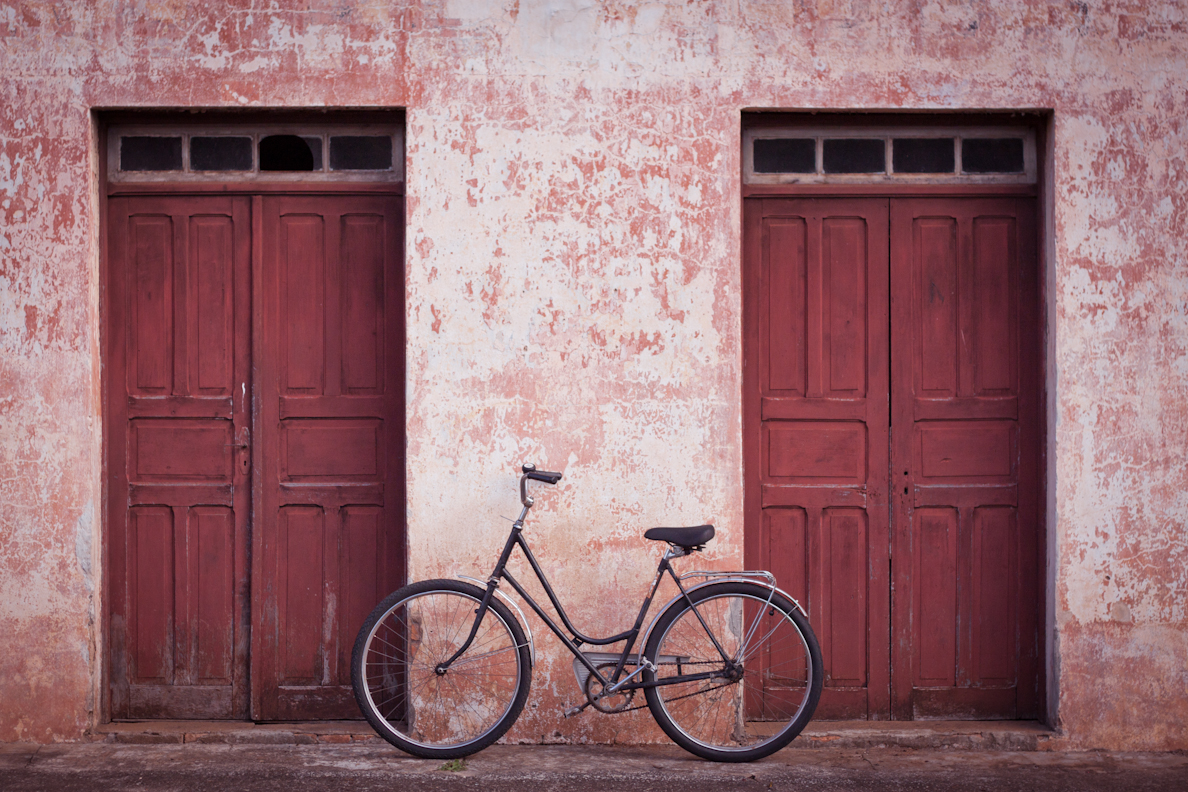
756 694
417 706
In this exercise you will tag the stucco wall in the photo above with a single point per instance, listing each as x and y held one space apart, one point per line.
573 288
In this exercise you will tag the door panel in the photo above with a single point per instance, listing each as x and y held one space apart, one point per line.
936 461
329 539
817 415
964 449
177 417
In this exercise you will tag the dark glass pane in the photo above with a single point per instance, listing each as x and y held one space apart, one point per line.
359 152
797 155
923 155
992 155
221 153
855 155
315 148
285 153
150 153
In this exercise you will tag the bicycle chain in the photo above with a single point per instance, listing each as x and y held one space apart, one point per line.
678 698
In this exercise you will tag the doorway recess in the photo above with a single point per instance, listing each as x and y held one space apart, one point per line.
254 408
892 403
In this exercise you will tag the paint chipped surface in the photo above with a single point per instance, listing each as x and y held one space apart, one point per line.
573 289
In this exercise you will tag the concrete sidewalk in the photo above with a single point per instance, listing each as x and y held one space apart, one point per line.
376 766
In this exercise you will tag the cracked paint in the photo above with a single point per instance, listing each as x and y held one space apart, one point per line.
573 290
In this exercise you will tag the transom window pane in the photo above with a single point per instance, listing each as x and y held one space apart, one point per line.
144 153
287 153
785 155
992 155
360 152
854 155
923 155
221 153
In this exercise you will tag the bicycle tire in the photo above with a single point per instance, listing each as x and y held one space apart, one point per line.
431 715
779 678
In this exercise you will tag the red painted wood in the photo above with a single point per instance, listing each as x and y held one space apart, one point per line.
965 440
177 327
816 429
960 413
328 543
212 576
322 452
934 593
845 549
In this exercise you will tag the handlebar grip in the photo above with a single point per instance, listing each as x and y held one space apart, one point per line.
543 475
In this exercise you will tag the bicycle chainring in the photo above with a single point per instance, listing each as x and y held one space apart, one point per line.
616 702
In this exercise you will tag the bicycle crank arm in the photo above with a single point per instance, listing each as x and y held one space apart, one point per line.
569 713
615 688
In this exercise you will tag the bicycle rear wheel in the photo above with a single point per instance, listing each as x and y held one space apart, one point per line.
443 715
760 699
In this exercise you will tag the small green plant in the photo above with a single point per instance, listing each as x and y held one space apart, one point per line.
454 765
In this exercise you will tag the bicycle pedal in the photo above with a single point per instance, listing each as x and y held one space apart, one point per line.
569 713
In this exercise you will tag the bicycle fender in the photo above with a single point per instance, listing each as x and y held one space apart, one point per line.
512 604
648 632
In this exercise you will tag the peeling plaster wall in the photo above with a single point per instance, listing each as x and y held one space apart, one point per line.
573 289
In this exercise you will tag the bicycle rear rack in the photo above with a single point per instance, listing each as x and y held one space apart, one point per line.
749 575
762 574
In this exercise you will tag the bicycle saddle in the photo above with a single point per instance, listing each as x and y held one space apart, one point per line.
682 537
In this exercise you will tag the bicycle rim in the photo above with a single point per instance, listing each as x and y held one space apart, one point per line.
455 710
763 709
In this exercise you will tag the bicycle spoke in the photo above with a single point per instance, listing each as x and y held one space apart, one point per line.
466 702
767 680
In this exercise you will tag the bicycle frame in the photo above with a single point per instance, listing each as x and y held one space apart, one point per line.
613 683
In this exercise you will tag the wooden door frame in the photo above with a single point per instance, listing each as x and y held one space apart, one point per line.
752 446
105 190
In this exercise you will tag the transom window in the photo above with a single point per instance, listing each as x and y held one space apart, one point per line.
289 152
855 154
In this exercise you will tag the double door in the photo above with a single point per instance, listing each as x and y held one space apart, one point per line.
891 436
254 421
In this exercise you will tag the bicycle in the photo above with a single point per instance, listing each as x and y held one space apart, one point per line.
730 668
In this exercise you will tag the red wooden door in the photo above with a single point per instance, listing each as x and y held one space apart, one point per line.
965 429
816 384
178 397
902 507
328 543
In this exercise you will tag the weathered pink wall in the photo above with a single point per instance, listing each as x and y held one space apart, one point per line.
573 288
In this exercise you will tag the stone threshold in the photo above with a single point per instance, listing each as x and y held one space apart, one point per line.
940 734
163 732
957 735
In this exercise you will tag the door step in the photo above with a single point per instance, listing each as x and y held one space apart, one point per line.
958 735
236 732
968 735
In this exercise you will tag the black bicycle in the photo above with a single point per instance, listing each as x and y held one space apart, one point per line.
730 667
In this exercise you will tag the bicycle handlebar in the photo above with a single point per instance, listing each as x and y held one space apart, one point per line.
530 472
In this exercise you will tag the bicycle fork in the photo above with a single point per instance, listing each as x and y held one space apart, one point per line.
492 583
